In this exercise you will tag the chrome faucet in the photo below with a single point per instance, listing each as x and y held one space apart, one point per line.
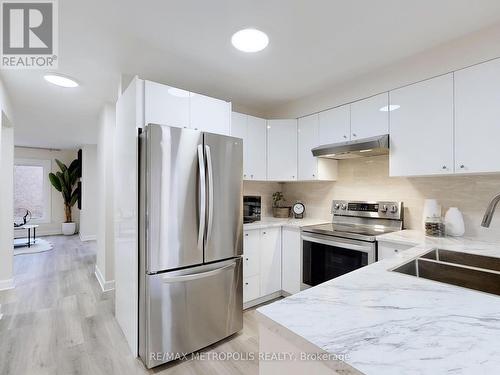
488 215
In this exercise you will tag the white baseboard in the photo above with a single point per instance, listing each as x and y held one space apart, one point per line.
106 286
7 284
88 237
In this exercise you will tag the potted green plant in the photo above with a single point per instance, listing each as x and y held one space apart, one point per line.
66 182
279 209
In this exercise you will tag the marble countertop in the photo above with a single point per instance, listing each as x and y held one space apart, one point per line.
415 237
390 323
267 222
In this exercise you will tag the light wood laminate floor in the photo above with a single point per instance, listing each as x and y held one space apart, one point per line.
57 321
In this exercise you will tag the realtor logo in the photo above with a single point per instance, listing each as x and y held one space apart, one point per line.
29 34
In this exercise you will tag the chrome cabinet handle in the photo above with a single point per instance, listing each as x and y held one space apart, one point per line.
203 197
210 192
195 276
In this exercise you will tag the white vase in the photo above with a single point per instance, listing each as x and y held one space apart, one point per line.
431 209
454 222
68 229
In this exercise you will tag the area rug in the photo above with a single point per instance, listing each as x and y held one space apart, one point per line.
40 246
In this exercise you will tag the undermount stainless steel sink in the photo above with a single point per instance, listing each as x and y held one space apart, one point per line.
469 271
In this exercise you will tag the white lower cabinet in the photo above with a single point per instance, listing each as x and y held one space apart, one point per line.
261 263
251 288
391 249
270 261
251 253
291 268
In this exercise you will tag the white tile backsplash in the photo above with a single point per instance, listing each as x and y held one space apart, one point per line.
368 179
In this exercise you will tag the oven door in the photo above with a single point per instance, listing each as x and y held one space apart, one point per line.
326 257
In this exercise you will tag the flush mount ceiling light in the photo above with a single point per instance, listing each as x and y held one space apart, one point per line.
60 80
250 40
389 108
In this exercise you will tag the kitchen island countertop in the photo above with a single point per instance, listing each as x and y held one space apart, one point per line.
390 323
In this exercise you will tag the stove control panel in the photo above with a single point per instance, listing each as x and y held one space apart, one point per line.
383 209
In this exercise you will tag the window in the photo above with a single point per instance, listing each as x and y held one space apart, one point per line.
32 190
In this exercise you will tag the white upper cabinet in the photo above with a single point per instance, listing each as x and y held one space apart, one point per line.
239 130
253 132
308 138
256 148
239 126
335 125
370 117
477 118
421 130
210 115
165 105
310 167
282 150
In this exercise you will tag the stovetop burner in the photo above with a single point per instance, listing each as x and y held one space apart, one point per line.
361 220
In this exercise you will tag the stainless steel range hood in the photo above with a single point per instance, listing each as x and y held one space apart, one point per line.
354 149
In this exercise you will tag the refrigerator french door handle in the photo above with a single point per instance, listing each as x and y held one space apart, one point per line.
195 276
203 197
210 192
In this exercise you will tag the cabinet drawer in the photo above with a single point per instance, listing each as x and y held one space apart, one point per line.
251 288
389 249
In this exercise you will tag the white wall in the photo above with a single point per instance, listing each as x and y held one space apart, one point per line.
459 53
6 199
125 193
89 211
105 268
6 203
57 202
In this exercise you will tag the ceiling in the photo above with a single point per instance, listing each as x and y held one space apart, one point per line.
313 45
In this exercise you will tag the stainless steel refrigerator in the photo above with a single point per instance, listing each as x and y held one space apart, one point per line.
190 241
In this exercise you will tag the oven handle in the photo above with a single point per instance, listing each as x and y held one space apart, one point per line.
344 245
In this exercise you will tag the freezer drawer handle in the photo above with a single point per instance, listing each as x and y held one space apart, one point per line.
210 192
203 198
195 276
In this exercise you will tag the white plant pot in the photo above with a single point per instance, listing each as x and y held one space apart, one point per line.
68 229
454 222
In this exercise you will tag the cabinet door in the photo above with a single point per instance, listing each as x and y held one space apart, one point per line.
210 115
421 130
370 117
251 288
270 261
239 129
165 105
477 118
257 148
251 253
335 125
291 259
308 138
282 150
